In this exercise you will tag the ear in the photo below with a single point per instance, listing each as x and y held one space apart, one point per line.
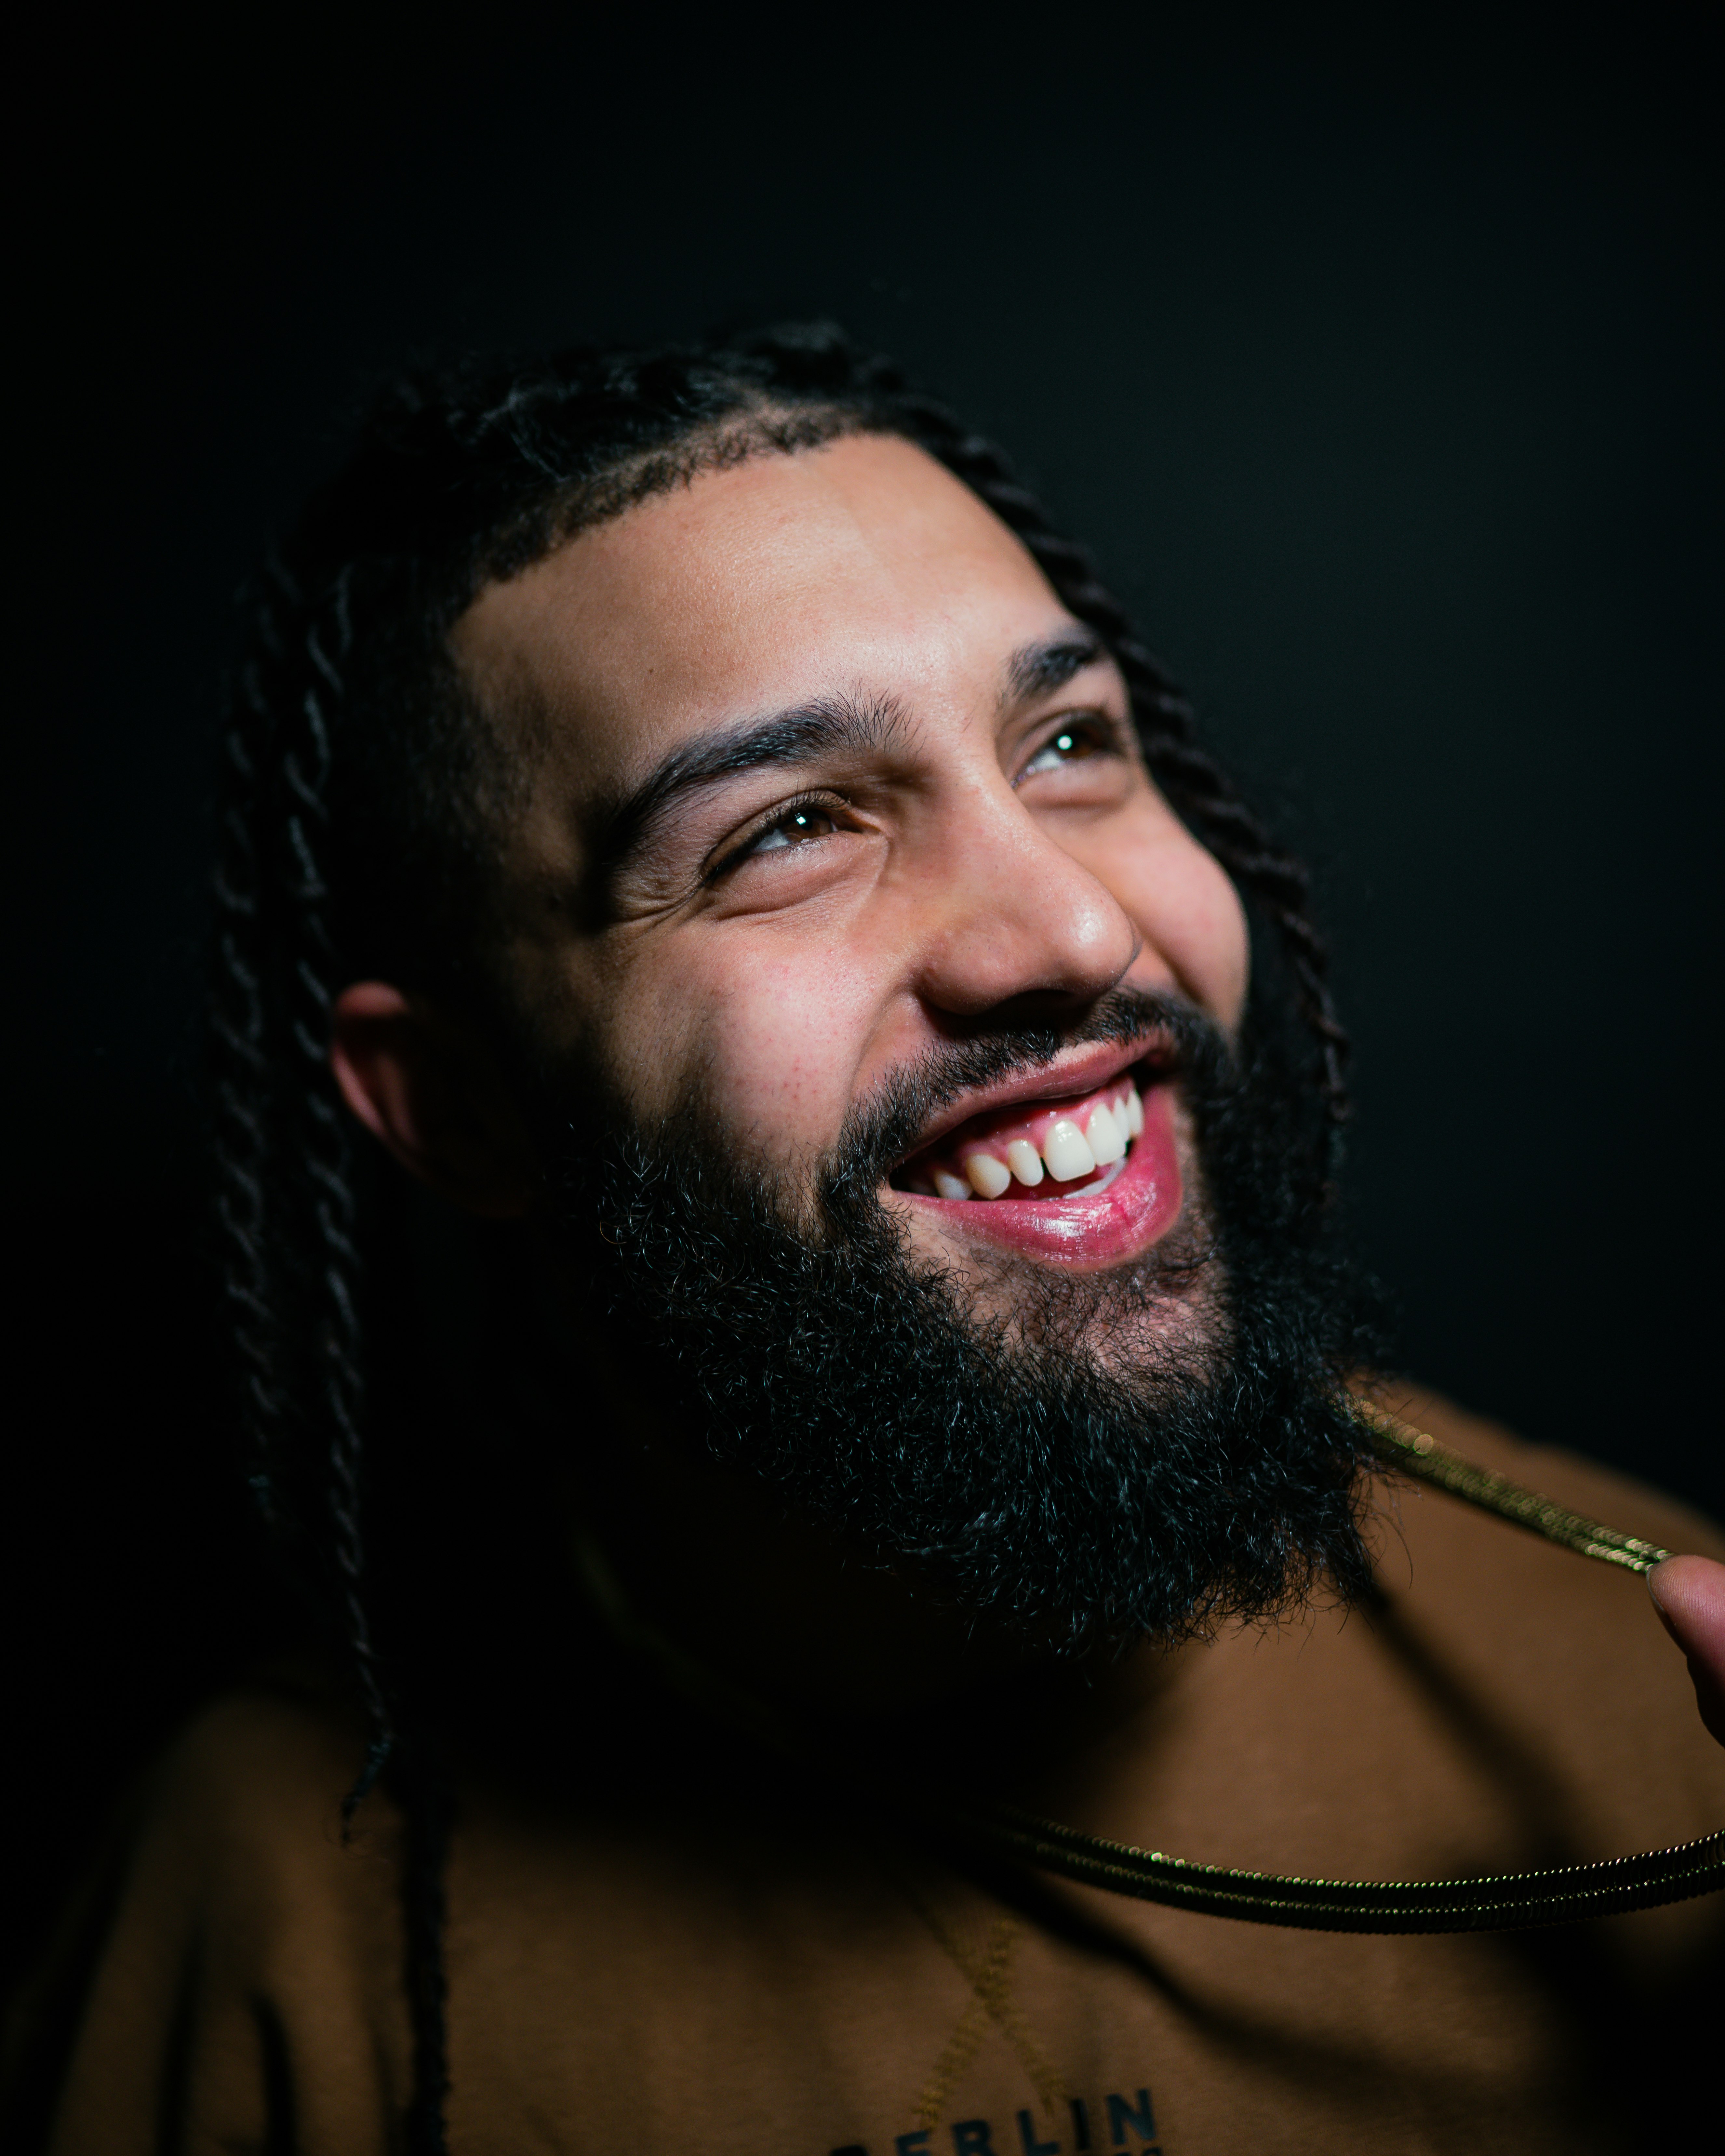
427 1087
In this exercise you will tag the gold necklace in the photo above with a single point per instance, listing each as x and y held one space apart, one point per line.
1491 1902
1398 1444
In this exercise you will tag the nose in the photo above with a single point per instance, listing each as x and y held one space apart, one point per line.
1013 925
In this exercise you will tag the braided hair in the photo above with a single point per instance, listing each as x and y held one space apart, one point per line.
359 790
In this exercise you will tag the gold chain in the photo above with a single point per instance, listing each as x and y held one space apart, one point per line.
1398 1445
1493 1902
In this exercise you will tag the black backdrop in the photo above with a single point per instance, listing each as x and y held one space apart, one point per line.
1377 363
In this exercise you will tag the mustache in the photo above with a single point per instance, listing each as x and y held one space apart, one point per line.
888 1124
602 1165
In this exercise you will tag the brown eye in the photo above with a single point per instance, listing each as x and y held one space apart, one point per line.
792 828
1070 745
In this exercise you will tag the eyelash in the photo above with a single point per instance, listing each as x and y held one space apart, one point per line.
825 804
1106 733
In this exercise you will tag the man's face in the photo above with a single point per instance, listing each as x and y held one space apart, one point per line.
834 889
821 779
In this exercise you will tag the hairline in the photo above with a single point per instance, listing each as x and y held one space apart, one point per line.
505 703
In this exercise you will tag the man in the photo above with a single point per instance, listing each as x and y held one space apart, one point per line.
901 1361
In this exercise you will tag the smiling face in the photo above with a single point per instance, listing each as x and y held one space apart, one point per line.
877 1017
821 782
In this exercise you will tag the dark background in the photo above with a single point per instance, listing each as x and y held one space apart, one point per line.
1376 355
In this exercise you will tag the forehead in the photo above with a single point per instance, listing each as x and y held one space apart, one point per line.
861 565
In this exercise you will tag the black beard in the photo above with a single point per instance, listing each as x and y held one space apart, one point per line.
1145 1451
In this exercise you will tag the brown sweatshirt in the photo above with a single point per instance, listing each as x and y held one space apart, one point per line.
683 1952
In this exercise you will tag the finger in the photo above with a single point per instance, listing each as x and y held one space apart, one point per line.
1689 1594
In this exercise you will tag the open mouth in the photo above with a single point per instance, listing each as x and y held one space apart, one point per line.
1058 1150
1082 1174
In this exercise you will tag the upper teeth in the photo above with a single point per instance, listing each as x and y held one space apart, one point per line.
988 1176
1067 1151
1025 1162
1107 1141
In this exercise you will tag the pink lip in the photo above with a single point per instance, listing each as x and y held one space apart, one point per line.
1069 1081
1094 1227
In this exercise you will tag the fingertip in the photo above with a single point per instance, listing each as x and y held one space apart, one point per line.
1688 1586
1652 1578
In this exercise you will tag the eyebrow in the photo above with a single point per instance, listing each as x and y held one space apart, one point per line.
837 726
1037 670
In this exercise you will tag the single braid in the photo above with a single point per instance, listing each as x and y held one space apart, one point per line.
326 1154
246 1079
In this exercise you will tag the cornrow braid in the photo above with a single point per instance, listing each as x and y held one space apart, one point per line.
358 826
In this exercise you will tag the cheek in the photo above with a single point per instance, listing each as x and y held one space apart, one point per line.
770 1035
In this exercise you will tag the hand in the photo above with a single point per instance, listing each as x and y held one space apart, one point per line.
1689 1594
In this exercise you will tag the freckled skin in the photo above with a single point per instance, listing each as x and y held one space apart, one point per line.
948 884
